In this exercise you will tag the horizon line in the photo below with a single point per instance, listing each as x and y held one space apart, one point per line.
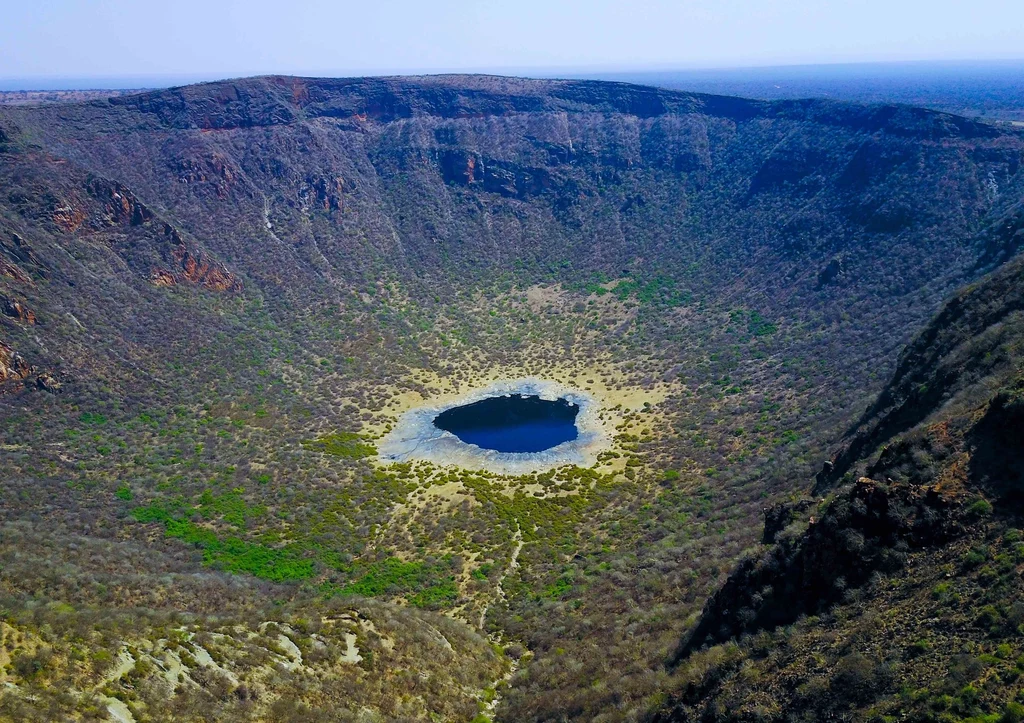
148 81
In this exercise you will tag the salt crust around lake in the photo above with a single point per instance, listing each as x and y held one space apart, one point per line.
416 438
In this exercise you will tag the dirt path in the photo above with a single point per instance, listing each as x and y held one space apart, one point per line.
492 704
499 592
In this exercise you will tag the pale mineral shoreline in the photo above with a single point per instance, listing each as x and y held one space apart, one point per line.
415 437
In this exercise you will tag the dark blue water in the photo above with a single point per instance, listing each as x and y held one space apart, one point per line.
512 424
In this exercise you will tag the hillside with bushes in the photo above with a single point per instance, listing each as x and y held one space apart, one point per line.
899 594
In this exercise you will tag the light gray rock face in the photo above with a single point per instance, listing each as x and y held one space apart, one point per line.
416 438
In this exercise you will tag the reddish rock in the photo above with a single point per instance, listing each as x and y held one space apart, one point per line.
213 170
13 272
12 364
17 310
300 92
192 267
326 192
120 205
69 217
197 270
161 277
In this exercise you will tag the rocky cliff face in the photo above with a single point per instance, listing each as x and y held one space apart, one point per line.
17 310
942 452
967 348
867 530
12 365
305 189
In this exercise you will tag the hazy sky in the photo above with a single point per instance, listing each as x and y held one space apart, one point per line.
219 38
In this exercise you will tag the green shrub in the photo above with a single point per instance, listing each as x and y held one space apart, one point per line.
231 554
347 445
975 557
980 508
757 325
28 665
424 585
1012 713
989 617
918 647
436 596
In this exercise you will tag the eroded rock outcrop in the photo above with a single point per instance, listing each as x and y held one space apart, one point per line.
18 251
162 277
16 310
12 365
511 180
47 382
120 205
209 170
69 215
187 264
198 270
324 192
12 271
